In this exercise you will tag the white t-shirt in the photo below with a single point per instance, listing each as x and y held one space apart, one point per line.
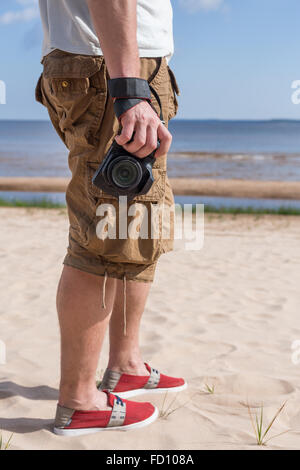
67 26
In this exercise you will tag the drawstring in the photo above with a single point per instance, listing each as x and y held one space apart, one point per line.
124 302
104 289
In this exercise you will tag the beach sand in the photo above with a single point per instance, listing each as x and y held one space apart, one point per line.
225 316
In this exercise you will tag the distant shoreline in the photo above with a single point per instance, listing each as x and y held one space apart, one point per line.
212 120
210 154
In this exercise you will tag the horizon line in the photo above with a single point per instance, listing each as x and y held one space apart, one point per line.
181 119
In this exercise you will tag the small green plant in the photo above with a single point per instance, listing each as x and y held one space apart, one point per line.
5 445
260 431
253 210
42 203
258 211
210 389
166 410
46 203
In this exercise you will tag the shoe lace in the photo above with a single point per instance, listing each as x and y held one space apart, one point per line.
119 400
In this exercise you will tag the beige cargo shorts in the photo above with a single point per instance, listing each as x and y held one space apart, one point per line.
74 90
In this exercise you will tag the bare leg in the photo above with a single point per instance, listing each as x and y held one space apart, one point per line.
124 354
83 322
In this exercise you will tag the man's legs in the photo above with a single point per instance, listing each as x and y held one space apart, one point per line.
125 362
83 322
124 354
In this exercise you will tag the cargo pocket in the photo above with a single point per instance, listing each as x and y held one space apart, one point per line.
78 93
173 93
137 232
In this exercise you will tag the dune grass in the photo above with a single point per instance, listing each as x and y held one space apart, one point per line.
261 432
252 210
45 203
209 389
167 409
5 445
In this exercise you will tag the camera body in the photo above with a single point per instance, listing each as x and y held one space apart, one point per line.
123 174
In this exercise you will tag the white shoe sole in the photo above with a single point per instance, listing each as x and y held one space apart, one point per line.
128 427
143 391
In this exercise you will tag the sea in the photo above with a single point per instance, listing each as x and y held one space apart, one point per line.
251 150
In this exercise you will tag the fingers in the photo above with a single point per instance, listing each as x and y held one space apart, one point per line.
151 142
147 128
165 138
145 141
140 137
127 131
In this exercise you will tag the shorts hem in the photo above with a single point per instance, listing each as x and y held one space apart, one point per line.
110 269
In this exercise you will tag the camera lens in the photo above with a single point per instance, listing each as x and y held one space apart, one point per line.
126 173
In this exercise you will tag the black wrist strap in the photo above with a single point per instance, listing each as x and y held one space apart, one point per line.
128 92
121 105
129 88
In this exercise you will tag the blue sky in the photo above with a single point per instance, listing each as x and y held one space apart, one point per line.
234 59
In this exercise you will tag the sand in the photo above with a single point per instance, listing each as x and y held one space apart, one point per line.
238 188
225 316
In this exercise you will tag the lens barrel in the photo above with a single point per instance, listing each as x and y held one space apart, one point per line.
125 172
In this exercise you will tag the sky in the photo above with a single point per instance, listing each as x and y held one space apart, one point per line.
234 59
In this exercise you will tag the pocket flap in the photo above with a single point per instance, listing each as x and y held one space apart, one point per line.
70 66
155 194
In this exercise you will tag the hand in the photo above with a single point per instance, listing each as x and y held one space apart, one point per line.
148 130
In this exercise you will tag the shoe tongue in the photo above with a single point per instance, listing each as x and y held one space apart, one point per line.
147 367
110 398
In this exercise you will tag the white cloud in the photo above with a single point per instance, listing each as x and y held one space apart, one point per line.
27 13
194 5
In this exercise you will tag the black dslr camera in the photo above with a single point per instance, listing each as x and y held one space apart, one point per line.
123 174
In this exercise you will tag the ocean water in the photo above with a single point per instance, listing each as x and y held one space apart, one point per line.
258 150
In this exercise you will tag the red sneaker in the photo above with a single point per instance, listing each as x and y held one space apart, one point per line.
126 385
124 416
